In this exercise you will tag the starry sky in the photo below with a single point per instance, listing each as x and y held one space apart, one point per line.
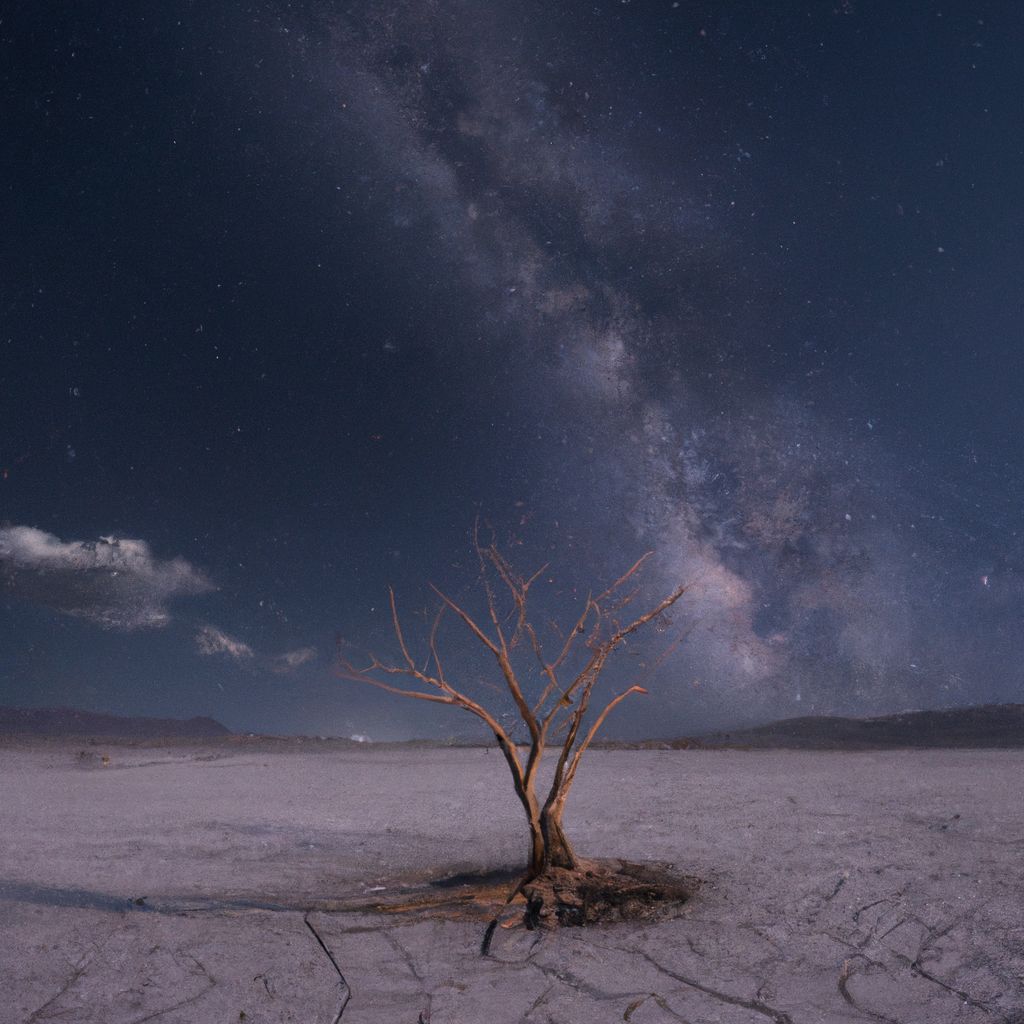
292 293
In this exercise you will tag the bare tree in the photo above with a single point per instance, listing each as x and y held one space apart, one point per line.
556 708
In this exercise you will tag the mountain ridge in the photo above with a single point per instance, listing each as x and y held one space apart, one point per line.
63 721
980 725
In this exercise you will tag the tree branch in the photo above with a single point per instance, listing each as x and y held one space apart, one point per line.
361 676
592 732
466 618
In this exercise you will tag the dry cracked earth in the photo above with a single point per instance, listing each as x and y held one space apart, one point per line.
179 885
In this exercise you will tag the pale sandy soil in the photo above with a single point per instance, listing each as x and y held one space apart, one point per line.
840 887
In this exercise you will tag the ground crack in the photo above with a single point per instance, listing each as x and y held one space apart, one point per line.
756 1005
184 1002
579 984
404 953
915 966
334 963
661 1001
76 972
844 976
839 884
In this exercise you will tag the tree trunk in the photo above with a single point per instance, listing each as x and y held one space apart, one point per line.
558 852
549 845
537 846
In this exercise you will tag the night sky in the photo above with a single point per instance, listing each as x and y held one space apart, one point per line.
292 293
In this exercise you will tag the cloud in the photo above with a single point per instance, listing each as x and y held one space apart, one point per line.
291 660
211 641
113 582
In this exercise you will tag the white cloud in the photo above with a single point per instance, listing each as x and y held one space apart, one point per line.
113 582
210 641
291 660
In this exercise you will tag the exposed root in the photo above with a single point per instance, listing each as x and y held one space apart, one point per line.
597 892
485 945
602 892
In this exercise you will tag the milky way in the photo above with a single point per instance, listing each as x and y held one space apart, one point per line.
628 333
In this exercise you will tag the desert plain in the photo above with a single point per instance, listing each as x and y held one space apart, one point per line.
194 883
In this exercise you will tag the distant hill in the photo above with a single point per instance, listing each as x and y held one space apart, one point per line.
987 725
57 722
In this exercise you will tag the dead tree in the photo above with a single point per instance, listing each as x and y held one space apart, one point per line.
555 709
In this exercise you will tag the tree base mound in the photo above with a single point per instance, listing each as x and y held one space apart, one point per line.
603 892
597 892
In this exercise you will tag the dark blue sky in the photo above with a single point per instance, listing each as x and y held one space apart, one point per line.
291 293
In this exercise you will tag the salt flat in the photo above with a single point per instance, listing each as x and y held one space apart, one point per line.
839 887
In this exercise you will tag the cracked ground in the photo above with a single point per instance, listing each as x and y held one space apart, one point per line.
184 885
